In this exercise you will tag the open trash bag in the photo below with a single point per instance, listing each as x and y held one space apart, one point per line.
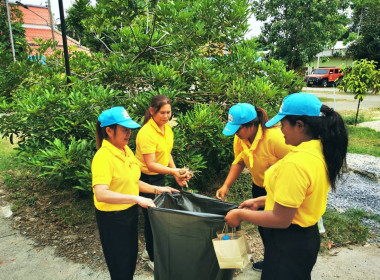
183 226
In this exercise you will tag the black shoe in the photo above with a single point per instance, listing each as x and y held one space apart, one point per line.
258 266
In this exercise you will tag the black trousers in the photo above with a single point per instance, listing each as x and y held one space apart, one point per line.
257 192
157 180
291 253
118 235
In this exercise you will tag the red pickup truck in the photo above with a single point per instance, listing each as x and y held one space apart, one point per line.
323 76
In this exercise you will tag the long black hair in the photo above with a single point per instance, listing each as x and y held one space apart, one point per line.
156 103
102 134
331 130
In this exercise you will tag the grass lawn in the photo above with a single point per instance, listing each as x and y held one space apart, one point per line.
363 140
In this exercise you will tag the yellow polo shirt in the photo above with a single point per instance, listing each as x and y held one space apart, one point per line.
269 148
300 180
120 172
151 140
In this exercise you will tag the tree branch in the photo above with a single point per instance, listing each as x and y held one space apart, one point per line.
134 37
97 37
148 44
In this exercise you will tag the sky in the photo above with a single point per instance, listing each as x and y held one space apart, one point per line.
254 29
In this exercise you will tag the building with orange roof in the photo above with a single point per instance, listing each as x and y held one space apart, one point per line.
37 25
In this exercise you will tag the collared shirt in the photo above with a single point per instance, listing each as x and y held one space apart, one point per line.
120 171
300 180
266 150
151 140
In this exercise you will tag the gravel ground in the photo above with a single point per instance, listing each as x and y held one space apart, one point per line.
359 188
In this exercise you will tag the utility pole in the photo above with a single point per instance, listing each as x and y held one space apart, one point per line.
51 22
64 40
10 32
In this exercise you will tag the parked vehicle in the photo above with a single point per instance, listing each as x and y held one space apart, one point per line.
323 76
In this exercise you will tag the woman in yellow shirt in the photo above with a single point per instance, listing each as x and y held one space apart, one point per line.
154 144
297 187
116 186
255 147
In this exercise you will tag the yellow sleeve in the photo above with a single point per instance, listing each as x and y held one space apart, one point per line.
147 141
237 146
101 170
291 185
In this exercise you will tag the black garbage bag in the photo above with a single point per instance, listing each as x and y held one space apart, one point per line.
183 226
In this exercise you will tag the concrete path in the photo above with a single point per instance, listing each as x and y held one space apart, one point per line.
344 101
19 259
353 263
341 101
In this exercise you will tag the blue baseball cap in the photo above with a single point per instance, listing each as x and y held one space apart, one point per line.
117 115
239 114
297 104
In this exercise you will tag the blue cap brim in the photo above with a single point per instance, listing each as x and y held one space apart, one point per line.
274 120
129 124
230 129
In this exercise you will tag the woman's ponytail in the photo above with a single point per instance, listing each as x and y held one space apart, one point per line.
334 139
100 131
101 134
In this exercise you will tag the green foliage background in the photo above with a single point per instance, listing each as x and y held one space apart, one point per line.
194 54
365 31
296 31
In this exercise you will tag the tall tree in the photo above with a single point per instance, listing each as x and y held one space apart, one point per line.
296 30
366 28
135 25
76 29
18 33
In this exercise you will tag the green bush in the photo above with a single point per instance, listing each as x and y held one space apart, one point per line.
200 144
183 50
56 128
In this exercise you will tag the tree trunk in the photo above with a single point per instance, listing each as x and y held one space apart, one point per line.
357 111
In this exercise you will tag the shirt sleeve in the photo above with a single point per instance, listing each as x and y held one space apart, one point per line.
291 185
101 170
237 146
147 143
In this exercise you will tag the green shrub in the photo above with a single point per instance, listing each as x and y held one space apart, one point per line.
200 144
350 120
166 53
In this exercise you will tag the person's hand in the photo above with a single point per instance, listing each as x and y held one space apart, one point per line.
250 204
182 176
180 173
233 218
180 182
170 190
145 202
221 193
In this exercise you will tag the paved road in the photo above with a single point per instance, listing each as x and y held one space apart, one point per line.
341 101
344 101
